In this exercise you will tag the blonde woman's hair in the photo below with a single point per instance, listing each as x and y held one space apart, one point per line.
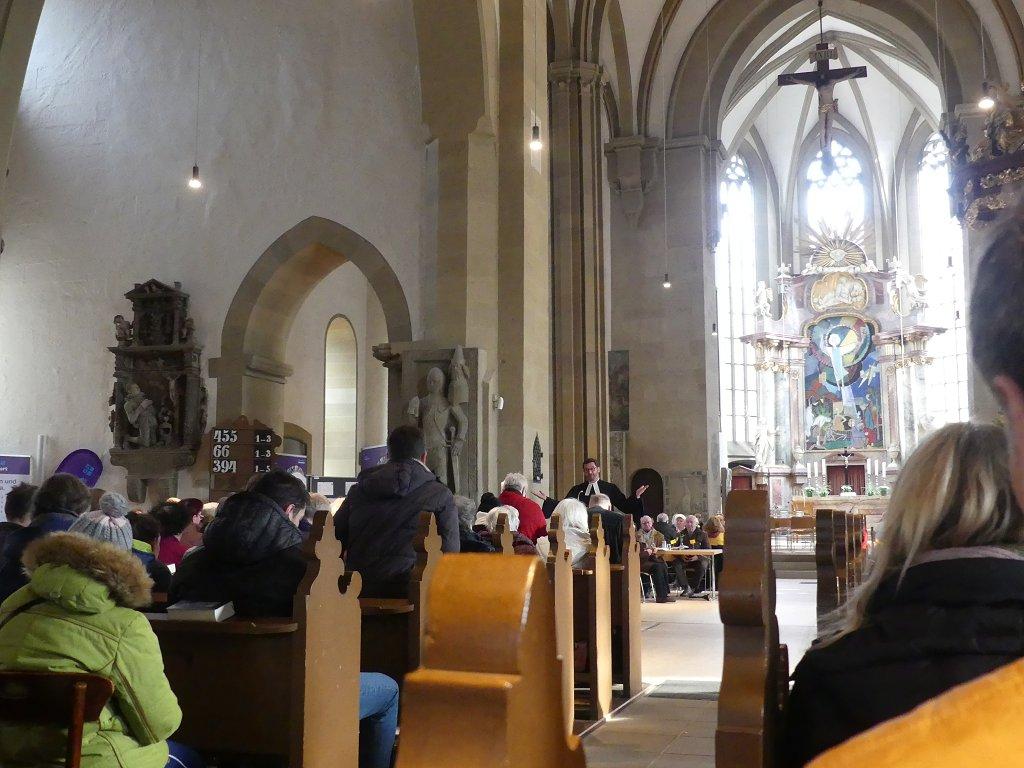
954 491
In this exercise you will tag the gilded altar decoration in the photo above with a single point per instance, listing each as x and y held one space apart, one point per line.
828 251
839 289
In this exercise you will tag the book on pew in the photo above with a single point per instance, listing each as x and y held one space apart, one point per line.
195 610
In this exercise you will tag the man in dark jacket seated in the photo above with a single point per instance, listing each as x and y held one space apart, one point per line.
251 555
690 571
611 522
377 522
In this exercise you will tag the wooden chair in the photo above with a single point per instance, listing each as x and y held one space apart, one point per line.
560 576
802 528
65 700
625 611
592 627
392 629
488 692
275 687
752 699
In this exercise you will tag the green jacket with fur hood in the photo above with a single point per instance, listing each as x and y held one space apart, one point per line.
87 624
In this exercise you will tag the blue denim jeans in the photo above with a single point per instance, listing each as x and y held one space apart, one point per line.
183 757
378 719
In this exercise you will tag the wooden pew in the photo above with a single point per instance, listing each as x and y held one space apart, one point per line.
504 532
592 627
825 563
841 520
281 687
625 613
392 629
752 700
559 572
488 691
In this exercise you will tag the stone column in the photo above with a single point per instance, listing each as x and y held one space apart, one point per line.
581 351
783 396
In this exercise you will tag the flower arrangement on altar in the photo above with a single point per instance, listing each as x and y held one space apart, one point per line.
824 491
809 491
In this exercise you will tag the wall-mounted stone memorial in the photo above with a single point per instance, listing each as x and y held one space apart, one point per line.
158 406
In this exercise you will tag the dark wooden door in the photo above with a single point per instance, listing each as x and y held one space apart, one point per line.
654 498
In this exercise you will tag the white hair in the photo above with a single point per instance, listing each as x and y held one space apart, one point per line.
515 481
601 500
489 520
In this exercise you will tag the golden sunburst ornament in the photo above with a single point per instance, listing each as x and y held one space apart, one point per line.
828 251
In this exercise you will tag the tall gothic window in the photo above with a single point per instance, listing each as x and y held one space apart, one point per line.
736 276
837 200
942 263
340 399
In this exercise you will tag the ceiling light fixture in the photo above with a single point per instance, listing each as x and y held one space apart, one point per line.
195 182
535 141
666 283
536 144
714 329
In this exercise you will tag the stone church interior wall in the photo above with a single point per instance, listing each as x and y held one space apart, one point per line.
310 109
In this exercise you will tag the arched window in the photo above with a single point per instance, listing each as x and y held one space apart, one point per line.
942 264
836 201
340 394
736 277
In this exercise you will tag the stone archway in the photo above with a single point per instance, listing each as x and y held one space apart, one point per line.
252 368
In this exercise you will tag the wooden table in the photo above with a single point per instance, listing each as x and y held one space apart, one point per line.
671 554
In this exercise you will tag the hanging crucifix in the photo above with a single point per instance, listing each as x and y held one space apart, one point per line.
824 80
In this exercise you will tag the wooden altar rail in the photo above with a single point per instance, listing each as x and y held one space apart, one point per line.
751 703
488 692
275 687
392 629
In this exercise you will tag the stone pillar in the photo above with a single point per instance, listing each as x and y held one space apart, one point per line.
783 425
581 351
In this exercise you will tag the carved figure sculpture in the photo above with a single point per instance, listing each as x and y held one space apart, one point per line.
762 300
444 428
764 445
458 377
188 330
123 331
141 414
908 292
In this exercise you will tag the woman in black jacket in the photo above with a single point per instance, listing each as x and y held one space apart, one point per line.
943 602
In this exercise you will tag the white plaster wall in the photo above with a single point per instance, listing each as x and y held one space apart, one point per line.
307 108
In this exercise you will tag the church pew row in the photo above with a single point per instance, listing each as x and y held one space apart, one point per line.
559 572
752 699
592 628
625 608
840 558
488 691
275 687
392 628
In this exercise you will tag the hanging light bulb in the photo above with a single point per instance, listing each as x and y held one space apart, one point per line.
986 102
195 182
535 141
666 283
714 330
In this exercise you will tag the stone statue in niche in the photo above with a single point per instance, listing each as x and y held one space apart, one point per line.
762 300
458 376
158 404
123 331
538 455
141 414
444 426
764 445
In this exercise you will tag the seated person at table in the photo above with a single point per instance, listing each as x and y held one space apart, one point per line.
251 555
715 529
55 505
470 540
650 542
145 542
690 571
514 490
17 510
664 527
943 602
611 522
77 614
487 525
378 521
174 517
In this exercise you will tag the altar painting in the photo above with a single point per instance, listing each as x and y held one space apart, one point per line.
843 393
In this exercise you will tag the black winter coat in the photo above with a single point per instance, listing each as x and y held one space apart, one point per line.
251 555
949 622
377 523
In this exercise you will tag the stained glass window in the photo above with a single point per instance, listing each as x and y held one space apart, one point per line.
836 200
736 272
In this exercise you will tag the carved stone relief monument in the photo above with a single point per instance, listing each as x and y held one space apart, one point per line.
158 406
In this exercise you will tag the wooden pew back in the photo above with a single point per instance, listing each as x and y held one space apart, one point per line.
488 692
754 676
559 571
281 687
625 611
825 563
504 533
592 625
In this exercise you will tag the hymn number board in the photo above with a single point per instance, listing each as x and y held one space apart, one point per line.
239 450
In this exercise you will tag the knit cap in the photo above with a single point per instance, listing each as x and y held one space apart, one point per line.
109 523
